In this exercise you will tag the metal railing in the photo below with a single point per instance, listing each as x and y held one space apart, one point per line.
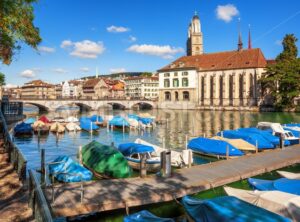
11 108
16 158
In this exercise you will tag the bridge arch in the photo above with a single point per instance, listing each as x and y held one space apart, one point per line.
116 105
83 107
41 107
142 105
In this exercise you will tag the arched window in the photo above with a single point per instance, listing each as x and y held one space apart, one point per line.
176 96
185 82
241 89
186 95
221 91
167 96
230 90
175 82
166 83
211 90
202 89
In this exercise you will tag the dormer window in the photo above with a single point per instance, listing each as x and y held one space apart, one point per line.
247 63
172 65
181 64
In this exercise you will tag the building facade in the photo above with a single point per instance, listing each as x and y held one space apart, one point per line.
38 89
212 80
142 87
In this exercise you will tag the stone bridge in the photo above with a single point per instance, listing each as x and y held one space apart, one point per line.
54 104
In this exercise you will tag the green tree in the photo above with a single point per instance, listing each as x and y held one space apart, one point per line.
2 79
282 78
16 27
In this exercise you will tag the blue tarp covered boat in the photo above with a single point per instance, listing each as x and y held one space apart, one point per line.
87 125
293 129
118 121
132 152
282 184
133 116
145 216
67 170
96 118
23 129
292 124
213 147
30 120
144 120
268 136
262 143
227 209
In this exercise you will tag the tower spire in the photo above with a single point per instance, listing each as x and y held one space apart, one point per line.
97 74
240 42
249 39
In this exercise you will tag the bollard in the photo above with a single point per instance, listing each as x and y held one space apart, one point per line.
227 152
143 169
165 157
80 154
281 140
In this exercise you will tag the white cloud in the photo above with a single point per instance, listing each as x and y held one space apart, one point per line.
84 69
117 29
84 49
226 12
132 38
28 74
60 70
66 43
166 51
117 70
9 85
46 49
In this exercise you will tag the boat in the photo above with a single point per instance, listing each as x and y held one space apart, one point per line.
282 184
133 152
226 209
97 119
146 115
178 159
254 139
146 216
285 204
65 169
57 128
44 119
289 175
212 147
278 130
58 120
105 161
294 129
40 127
237 143
72 127
268 136
30 120
23 129
87 125
71 119
133 123
118 121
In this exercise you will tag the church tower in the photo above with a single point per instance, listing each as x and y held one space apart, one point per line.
195 38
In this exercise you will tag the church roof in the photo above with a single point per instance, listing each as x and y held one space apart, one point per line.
247 58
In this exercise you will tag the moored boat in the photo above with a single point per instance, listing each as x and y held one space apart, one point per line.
289 175
133 152
119 122
44 119
87 125
146 216
73 127
40 127
57 128
58 120
105 161
65 169
23 129
285 204
72 119
254 139
238 143
97 119
282 184
212 147
226 209
30 120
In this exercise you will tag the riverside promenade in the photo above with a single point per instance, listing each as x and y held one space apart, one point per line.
105 195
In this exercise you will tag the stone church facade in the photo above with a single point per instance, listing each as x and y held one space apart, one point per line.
221 80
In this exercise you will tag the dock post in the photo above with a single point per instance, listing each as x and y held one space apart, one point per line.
222 134
143 169
281 140
91 128
80 154
43 168
123 127
186 141
256 147
227 152
112 144
190 158
204 135
107 126
164 142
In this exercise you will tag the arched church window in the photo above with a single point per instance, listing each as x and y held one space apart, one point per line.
167 96
176 96
186 95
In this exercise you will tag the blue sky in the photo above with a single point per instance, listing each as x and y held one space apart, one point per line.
142 35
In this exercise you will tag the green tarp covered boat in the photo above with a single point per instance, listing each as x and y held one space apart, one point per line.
105 161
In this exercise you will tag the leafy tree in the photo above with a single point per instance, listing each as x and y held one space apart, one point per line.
282 78
146 74
16 27
2 79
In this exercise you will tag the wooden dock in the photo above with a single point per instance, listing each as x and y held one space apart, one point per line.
107 195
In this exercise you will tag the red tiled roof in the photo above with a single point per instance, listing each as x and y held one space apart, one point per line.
91 83
37 83
248 58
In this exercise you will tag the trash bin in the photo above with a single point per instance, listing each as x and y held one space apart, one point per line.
166 163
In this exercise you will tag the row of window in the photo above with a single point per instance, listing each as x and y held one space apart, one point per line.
184 82
185 96
149 94
176 74
150 90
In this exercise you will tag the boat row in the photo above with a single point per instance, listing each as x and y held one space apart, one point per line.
234 143
276 200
